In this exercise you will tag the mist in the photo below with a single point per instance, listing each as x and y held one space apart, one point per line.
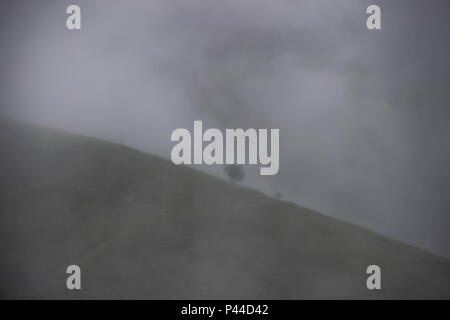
363 115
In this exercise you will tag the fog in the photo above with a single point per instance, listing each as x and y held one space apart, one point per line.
363 115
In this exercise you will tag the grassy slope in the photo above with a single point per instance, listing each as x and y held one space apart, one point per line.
140 227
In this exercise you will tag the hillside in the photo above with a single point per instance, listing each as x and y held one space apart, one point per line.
141 227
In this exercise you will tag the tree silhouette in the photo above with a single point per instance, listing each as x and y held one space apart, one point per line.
234 172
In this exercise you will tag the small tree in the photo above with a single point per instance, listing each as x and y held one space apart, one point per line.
278 195
234 172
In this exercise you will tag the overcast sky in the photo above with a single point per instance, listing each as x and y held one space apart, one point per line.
363 115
